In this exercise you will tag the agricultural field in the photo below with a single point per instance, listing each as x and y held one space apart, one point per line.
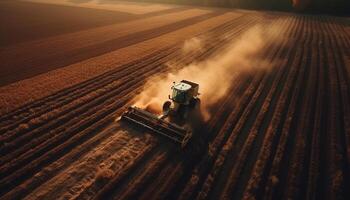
275 94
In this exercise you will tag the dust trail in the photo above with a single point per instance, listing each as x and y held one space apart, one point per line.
192 45
215 76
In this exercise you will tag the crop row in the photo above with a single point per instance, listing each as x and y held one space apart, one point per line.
119 80
173 171
170 184
64 135
270 145
39 113
282 133
206 161
41 105
216 170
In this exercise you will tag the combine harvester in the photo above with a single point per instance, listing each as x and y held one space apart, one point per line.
173 123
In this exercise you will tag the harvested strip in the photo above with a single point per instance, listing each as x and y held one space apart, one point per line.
112 154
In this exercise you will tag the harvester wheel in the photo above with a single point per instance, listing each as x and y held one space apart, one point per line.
166 107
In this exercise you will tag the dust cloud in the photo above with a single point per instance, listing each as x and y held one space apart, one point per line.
192 45
215 76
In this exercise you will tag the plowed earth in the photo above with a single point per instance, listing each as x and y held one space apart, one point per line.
281 133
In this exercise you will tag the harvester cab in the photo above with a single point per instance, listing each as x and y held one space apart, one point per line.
184 92
172 123
184 97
